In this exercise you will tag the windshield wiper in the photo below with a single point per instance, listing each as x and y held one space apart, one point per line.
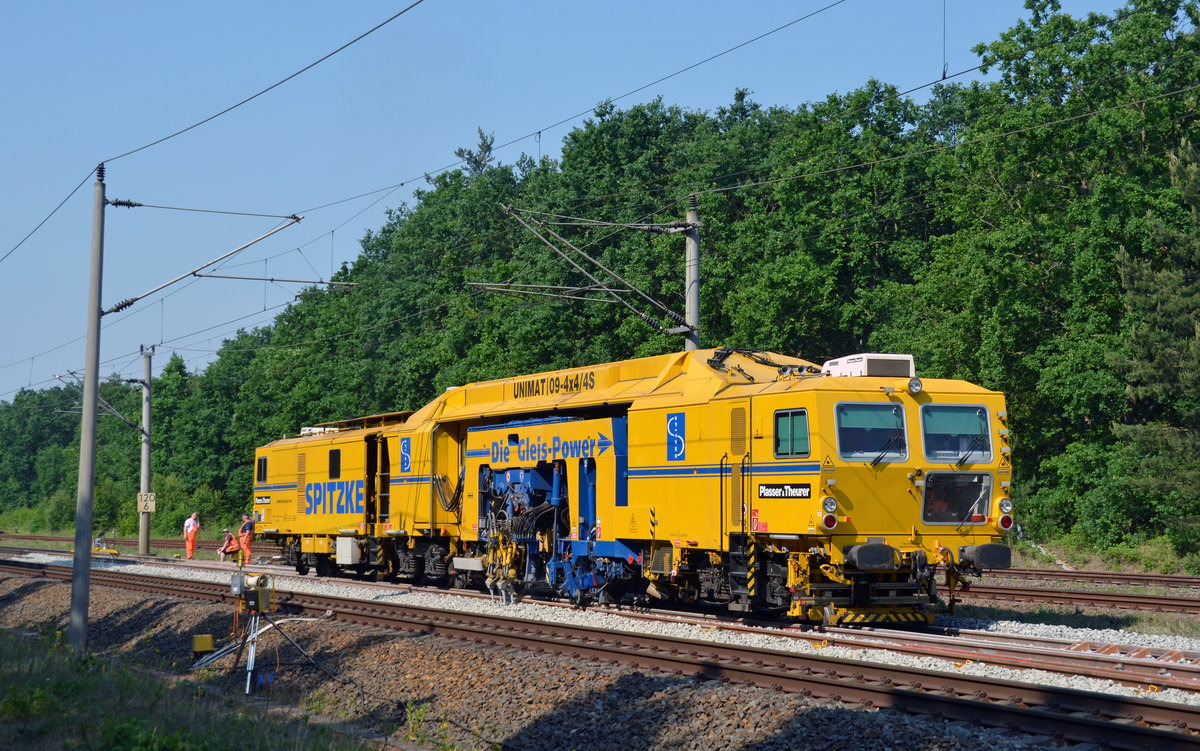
896 441
977 443
979 501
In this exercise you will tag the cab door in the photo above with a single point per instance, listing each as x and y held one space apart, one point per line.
784 487
731 430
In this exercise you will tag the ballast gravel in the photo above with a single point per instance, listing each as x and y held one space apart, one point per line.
451 694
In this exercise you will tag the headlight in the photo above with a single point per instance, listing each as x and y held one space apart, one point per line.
829 504
1005 506
914 385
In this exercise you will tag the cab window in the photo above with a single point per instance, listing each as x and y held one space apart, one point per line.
791 433
871 432
956 433
260 472
335 464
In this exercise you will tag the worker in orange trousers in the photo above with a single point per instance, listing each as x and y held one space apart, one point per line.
244 535
190 527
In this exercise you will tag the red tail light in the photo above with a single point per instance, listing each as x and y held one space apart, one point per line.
829 521
1006 522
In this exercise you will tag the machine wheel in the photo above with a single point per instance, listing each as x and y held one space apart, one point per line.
302 568
324 567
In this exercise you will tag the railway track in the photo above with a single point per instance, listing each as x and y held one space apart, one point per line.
1118 722
1081 598
1170 581
124 543
1146 669
1104 600
1142 668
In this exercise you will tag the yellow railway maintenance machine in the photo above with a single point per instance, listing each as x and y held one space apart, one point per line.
743 478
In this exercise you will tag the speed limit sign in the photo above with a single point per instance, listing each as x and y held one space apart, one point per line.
145 502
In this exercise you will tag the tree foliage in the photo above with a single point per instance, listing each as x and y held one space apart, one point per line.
1036 233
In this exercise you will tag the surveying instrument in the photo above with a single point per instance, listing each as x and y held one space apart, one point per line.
254 593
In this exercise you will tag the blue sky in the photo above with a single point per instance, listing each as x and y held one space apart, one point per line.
87 82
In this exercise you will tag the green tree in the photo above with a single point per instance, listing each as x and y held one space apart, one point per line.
37 428
169 402
1054 173
58 512
480 158
1159 461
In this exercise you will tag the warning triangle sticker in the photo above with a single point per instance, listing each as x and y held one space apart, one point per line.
827 465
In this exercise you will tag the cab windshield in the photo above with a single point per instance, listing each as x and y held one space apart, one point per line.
956 433
871 432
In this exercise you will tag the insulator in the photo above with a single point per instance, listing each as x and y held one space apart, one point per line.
100 172
650 321
120 306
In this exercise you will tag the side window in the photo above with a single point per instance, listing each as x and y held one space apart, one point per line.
335 464
260 472
791 433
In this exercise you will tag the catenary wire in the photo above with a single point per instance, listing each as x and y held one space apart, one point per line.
839 169
311 342
746 185
209 119
968 142
273 86
1100 21
924 209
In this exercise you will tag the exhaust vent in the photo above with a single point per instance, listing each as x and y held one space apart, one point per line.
876 365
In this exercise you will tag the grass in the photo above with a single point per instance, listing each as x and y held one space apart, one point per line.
1153 556
51 698
125 549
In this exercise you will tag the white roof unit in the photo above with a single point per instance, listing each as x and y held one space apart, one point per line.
317 431
871 364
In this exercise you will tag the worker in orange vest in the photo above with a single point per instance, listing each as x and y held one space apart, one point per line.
229 546
190 527
244 535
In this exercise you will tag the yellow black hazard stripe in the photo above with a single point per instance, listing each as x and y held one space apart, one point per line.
851 617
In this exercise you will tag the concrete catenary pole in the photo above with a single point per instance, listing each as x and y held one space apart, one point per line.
692 313
144 517
81 578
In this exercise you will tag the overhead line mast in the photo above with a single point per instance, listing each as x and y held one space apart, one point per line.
81 577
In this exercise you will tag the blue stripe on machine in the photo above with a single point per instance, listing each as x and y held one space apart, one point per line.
685 470
706 470
281 486
477 453
803 468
